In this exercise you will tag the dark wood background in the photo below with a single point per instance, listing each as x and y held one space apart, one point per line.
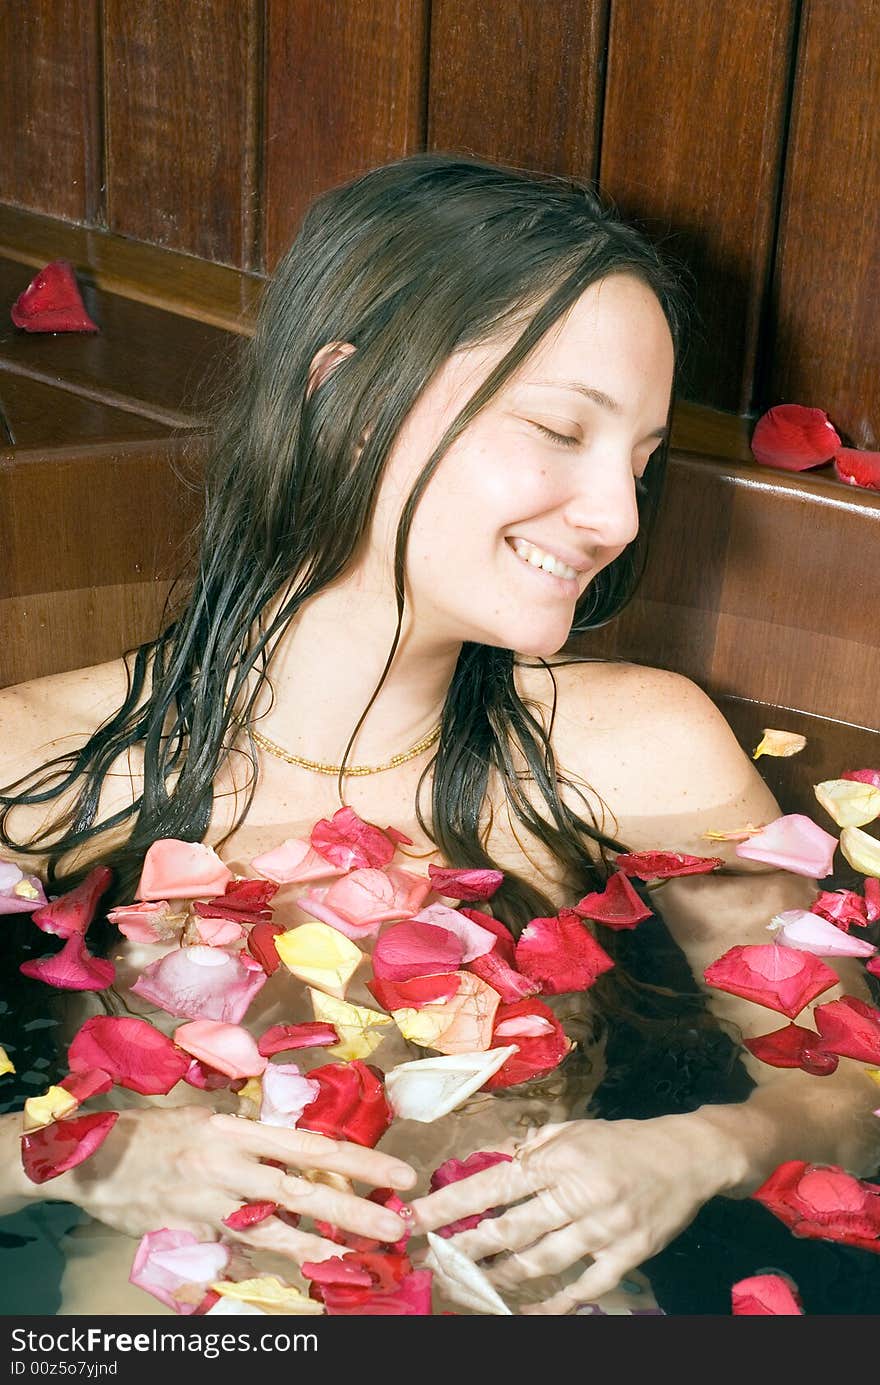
170 148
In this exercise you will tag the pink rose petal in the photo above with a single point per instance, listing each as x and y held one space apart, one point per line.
201 983
452 1171
765 1295
414 994
510 984
811 933
782 978
850 1027
135 1055
845 908
864 776
349 842
561 954
294 862
73 912
794 843
154 921
466 884
226 1047
285 1094
618 906
505 942
794 437
175 869
168 1262
73 968
410 949
476 941
214 932
251 1214
55 1148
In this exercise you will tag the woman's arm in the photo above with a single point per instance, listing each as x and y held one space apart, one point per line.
696 778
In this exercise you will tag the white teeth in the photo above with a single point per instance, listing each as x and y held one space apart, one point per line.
536 557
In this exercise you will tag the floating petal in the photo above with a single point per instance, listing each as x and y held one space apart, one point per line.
351 1105
227 1047
861 850
175 1267
541 1042
73 912
850 1027
201 983
294 862
462 1280
349 842
811 933
61 1146
281 1038
617 906
765 1296
462 1024
665 865
53 1105
561 954
466 884
794 437
269 1294
779 743
131 1051
174 869
411 949
356 1025
795 843
429 1088
320 956
285 1094
782 978
73 968
849 802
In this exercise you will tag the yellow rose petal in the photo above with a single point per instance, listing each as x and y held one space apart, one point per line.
461 1024
779 743
850 802
736 834
250 1099
51 1106
355 1024
861 850
25 890
319 955
270 1294
6 1064
874 1074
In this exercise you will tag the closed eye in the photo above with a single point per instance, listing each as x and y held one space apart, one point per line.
564 439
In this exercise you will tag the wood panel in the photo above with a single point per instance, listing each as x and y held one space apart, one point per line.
49 107
760 585
142 359
35 416
691 145
824 344
520 83
345 91
182 83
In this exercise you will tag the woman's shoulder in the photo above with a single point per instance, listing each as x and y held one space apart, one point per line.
657 750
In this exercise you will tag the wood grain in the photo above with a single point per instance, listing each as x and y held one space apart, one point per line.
823 346
345 91
519 83
49 107
692 147
181 92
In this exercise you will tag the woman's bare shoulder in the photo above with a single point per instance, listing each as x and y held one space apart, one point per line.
44 714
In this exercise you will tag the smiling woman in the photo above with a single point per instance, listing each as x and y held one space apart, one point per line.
439 461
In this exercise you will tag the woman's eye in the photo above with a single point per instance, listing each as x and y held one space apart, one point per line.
564 439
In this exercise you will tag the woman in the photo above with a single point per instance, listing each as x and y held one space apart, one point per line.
441 459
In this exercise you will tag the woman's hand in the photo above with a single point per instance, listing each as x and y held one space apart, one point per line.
612 1192
187 1167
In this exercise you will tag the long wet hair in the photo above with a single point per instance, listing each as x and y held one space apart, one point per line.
409 263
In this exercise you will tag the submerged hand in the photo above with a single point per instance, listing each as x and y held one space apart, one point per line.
187 1167
613 1192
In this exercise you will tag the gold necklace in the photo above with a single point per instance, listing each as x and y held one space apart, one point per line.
321 768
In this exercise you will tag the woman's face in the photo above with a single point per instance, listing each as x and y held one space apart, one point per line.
546 471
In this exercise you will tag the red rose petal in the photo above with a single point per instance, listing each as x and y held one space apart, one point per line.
452 1171
506 944
350 843
539 1053
351 1105
782 1048
251 1214
617 906
850 1027
281 1038
863 776
135 1054
74 911
465 884
823 1202
782 978
52 302
89 1082
261 946
765 1295
55 1148
794 438
510 984
858 468
412 995
410 949
664 865
844 908
561 954
872 898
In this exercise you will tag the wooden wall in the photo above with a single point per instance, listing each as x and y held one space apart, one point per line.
746 135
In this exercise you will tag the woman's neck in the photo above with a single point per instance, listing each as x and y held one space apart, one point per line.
325 667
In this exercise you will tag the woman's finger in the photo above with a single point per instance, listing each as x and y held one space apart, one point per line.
273 1235
605 1273
305 1149
493 1187
322 1203
518 1227
552 1254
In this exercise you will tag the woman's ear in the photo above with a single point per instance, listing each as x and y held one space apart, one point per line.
325 360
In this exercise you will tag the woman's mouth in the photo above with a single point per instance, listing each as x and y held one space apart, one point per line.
545 567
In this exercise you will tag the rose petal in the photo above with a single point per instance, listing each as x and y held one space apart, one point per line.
463 1281
429 1088
410 1298
200 983
52 302
779 743
410 949
349 842
475 940
863 776
282 1038
617 906
470 883
251 1214
19 893
792 842
784 1048
452 1171
131 1051
261 946
412 995
664 865
858 468
226 1047
73 968
320 956
154 921
174 869
56 1148
850 1027
848 802
782 978
89 1082
510 984
537 1053
845 908
861 850
294 862
285 1094
765 1295
356 1025
216 932
351 1105
824 1203
793 437
54 1104
73 912
175 1267
561 954
810 932
462 1024
267 1292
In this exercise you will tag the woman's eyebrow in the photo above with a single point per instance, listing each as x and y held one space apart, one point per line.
597 396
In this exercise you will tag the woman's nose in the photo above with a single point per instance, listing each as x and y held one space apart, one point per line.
605 507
